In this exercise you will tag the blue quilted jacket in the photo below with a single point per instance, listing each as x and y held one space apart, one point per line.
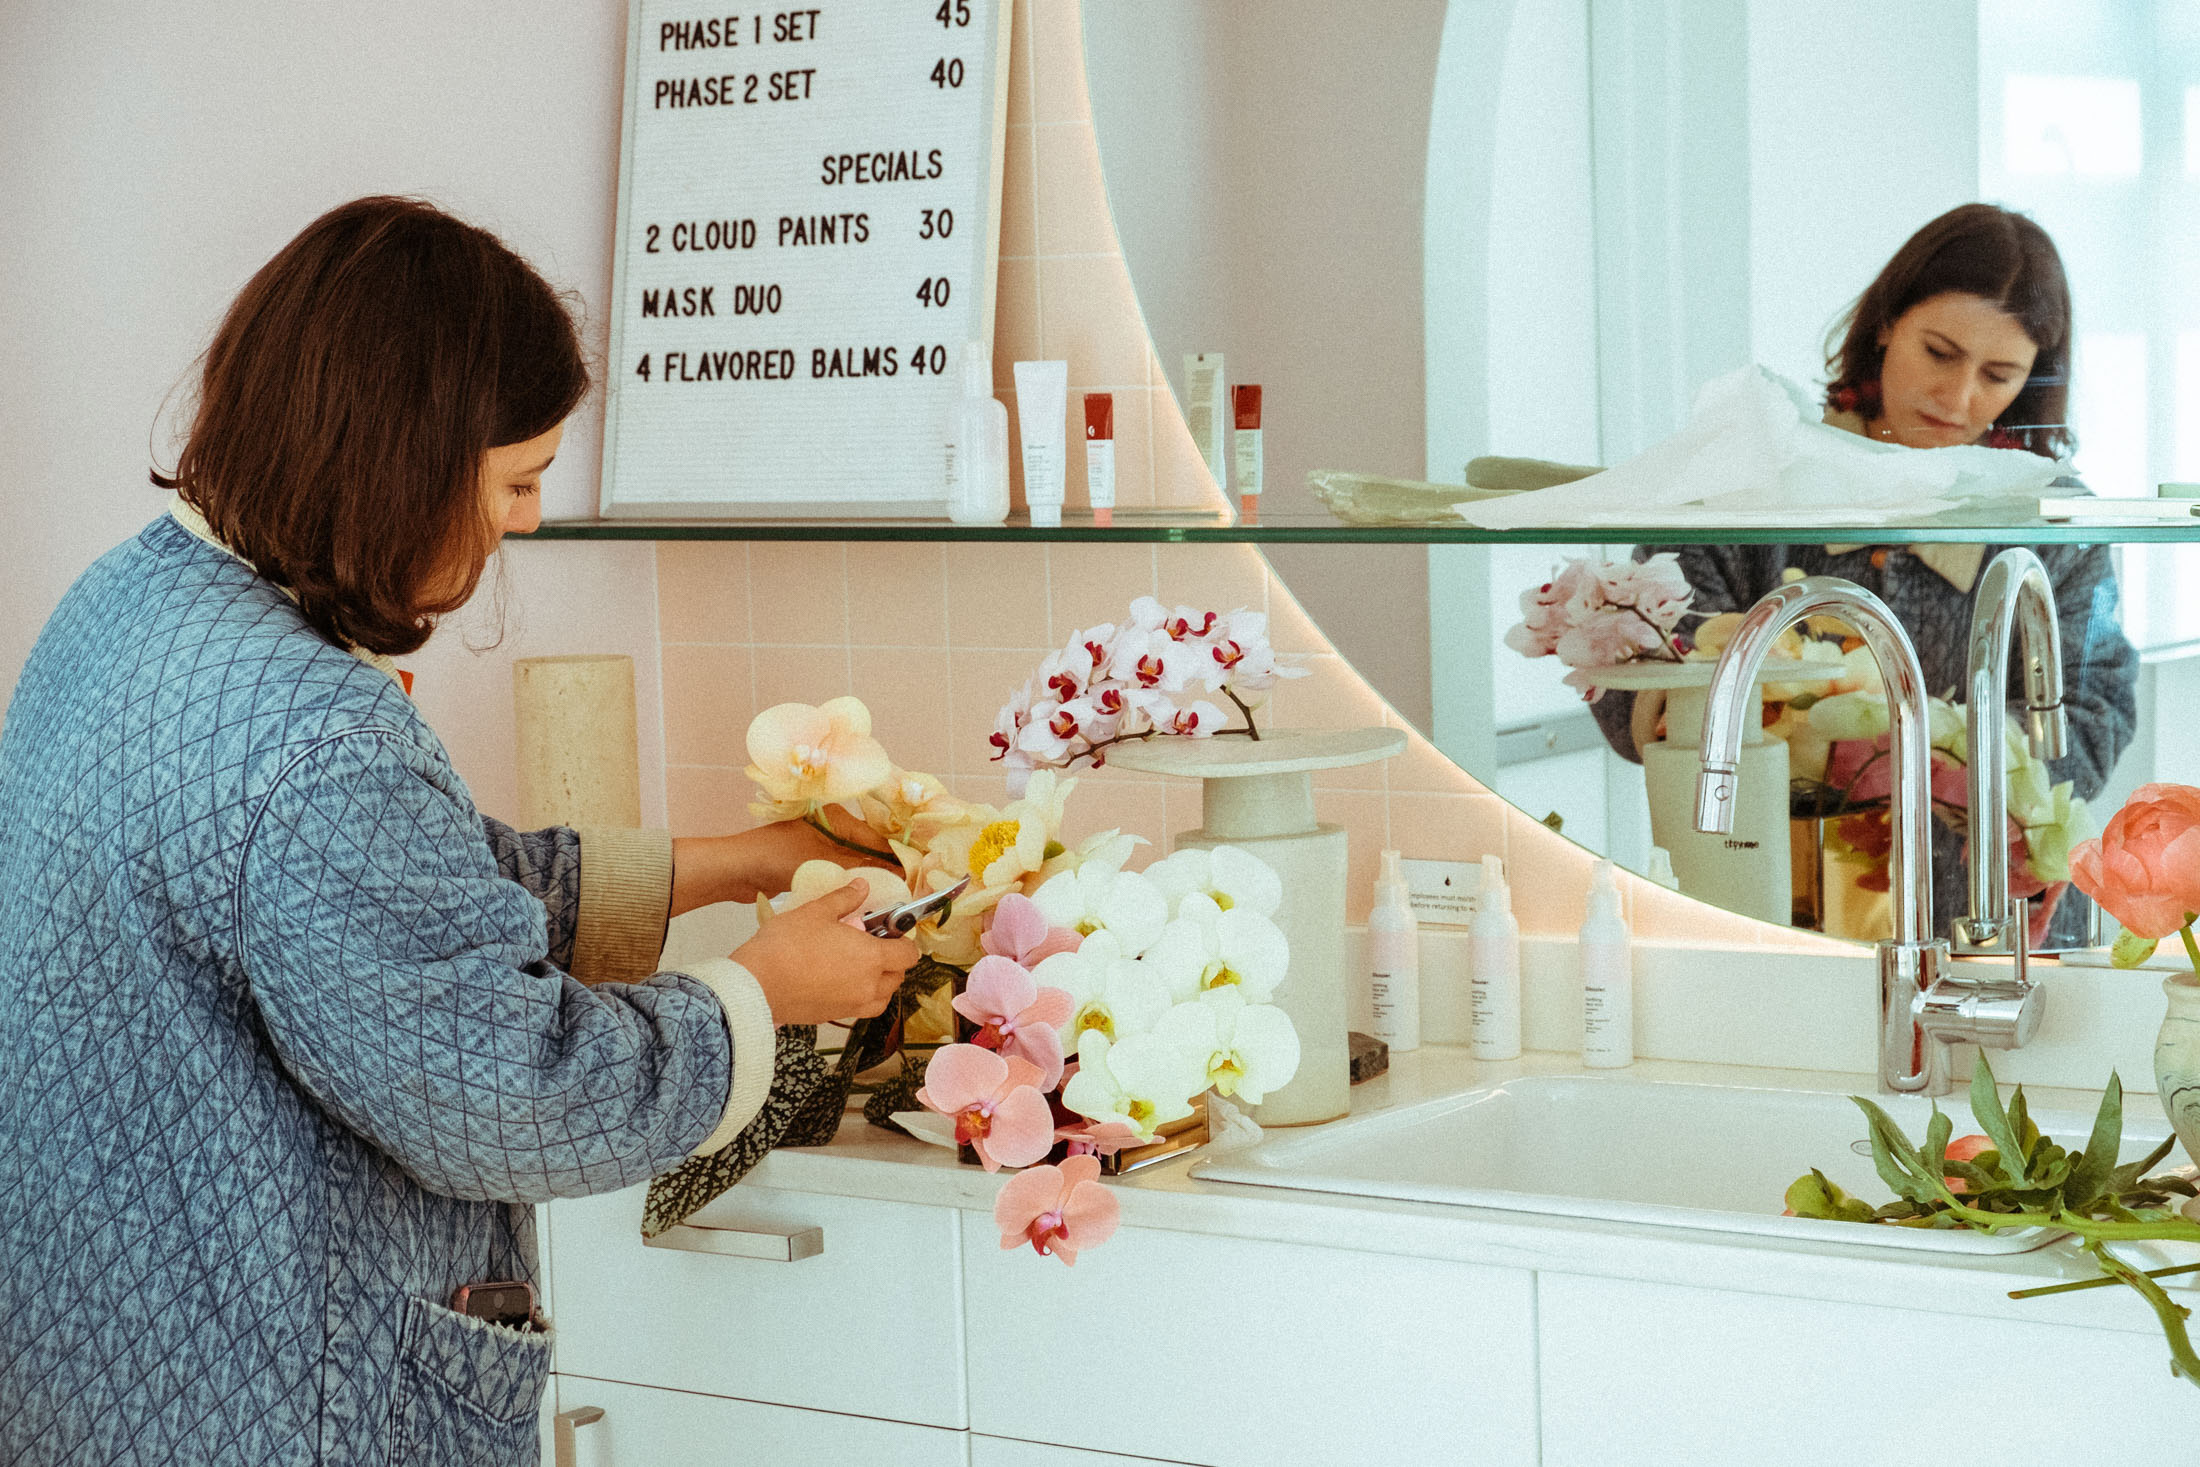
288 1047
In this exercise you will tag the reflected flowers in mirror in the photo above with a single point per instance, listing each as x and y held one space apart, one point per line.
1595 613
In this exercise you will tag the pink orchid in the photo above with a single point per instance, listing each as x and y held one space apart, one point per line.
1015 1015
1099 1138
1058 1210
995 1101
1019 930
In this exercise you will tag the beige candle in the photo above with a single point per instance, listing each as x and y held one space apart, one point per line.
578 758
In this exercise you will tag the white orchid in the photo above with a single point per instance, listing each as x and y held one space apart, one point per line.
1109 993
1233 949
1233 878
1243 660
1153 660
1093 899
1250 1048
1143 1081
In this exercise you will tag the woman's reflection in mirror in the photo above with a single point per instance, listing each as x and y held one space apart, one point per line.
1963 338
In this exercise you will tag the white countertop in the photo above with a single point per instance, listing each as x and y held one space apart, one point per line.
864 1161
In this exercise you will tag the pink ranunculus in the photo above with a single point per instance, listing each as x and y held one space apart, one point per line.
1058 1210
1015 1015
995 1102
1019 930
2145 867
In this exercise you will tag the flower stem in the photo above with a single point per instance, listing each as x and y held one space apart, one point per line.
2192 949
817 821
1253 732
2172 1315
2100 1283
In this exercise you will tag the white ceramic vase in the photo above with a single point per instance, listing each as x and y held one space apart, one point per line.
2177 1059
1260 795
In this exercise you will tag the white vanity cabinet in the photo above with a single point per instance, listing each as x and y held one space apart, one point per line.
870 1326
1191 1347
644 1427
1170 1346
1661 1375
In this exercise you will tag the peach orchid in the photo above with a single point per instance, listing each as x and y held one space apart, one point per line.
995 1104
1058 1210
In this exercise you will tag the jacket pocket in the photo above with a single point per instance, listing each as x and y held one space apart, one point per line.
467 1391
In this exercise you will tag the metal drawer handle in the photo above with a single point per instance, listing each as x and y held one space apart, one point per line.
774 1245
564 1424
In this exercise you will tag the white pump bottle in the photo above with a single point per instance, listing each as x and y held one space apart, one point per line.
1394 961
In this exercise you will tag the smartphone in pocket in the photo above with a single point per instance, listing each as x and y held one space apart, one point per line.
509 1302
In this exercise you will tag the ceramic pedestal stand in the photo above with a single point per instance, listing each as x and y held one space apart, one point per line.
1259 794
1748 870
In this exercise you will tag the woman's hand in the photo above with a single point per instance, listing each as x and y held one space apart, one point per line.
815 968
759 862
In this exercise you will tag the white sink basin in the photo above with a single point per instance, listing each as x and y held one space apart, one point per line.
1631 1150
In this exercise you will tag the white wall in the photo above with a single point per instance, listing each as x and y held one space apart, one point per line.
152 156
1864 124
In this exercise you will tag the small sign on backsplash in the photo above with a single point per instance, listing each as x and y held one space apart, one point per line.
1442 892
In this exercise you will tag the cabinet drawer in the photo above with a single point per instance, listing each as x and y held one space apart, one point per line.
641 1427
872 1324
1251 1352
999 1451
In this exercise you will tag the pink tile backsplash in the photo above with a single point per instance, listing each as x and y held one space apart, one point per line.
935 638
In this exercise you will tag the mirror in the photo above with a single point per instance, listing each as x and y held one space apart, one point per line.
1534 227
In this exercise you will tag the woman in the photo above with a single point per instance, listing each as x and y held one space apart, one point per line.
291 1037
1963 338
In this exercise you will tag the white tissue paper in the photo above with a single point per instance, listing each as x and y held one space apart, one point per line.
1755 452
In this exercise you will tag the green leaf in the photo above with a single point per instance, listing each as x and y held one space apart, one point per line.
2129 949
1896 1160
2089 1177
1937 1133
1994 1121
2131 1171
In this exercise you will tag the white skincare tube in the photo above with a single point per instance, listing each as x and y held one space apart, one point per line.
1207 412
1100 456
1245 410
1042 412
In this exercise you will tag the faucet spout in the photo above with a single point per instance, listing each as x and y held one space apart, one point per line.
1731 705
2014 595
1911 1057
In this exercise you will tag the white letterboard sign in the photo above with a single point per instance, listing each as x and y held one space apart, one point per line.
809 226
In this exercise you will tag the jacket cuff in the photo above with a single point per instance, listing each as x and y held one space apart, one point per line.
755 1047
626 901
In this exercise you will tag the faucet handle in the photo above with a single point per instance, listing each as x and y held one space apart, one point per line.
2000 1013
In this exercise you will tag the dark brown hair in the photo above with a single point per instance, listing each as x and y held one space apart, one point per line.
347 401
1999 256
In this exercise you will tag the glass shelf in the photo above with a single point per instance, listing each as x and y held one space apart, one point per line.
1200 527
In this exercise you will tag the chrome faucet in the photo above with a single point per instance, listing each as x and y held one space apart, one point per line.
2014 592
1923 1007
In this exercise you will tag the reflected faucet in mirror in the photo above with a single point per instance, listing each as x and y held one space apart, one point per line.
2015 593
1923 1005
